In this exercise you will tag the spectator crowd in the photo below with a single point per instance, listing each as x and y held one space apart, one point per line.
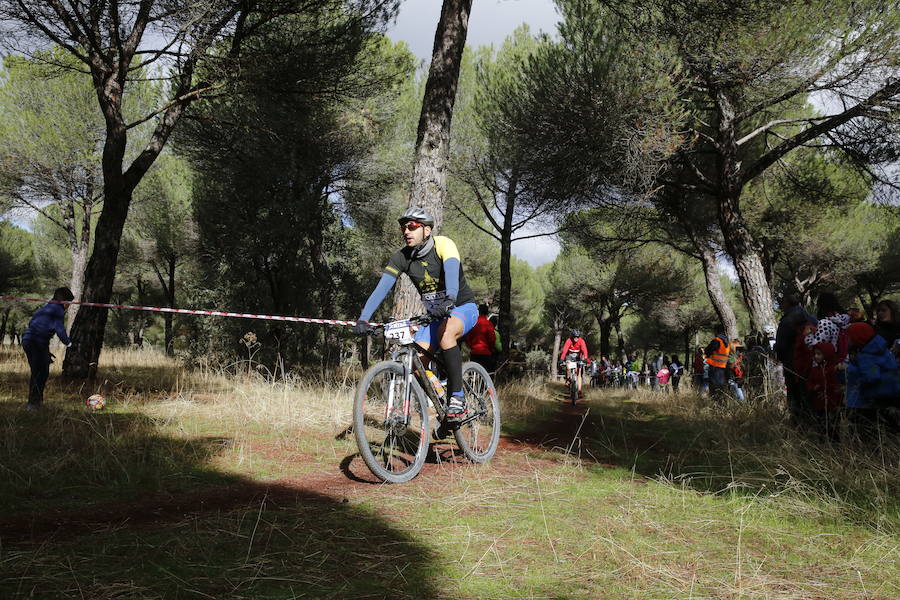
838 364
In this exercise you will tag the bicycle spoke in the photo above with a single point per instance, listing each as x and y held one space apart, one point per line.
479 434
390 429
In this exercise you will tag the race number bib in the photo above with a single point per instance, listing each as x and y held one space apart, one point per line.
432 299
400 331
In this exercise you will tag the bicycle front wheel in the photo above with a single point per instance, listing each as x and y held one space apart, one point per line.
573 389
391 434
479 438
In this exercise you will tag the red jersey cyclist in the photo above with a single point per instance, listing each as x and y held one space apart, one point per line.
577 348
433 265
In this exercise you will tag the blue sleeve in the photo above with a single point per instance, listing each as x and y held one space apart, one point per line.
60 327
451 272
385 284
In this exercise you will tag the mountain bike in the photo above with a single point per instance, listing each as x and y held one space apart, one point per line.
574 368
397 399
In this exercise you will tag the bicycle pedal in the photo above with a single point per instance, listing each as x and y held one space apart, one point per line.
441 432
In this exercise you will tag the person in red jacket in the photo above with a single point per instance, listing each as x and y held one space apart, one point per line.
481 340
824 390
577 348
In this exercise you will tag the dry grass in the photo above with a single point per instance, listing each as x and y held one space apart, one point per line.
707 502
166 388
738 448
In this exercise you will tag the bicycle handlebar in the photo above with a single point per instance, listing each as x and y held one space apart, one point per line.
423 319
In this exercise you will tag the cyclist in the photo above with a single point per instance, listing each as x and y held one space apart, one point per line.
433 265
576 348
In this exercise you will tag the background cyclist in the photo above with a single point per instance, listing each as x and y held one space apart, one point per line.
576 346
433 264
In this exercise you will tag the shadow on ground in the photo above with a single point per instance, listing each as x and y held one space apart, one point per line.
103 505
248 541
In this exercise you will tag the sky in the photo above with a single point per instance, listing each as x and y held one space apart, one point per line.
489 23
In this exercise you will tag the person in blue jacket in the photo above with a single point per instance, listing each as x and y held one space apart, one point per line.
872 377
46 321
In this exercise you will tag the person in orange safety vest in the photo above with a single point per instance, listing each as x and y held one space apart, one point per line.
717 352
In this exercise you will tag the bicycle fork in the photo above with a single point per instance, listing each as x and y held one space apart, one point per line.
392 398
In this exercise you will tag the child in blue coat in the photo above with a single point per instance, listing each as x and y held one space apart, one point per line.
872 376
46 321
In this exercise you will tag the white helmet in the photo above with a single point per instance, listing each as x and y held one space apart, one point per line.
416 213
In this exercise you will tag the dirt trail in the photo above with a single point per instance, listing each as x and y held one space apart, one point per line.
348 481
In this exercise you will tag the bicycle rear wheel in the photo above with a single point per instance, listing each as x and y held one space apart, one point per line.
392 439
479 438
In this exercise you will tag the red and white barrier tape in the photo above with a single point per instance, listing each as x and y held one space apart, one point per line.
187 311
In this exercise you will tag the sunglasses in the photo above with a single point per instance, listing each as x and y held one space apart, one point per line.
410 226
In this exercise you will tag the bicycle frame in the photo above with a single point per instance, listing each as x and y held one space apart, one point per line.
577 370
393 422
408 354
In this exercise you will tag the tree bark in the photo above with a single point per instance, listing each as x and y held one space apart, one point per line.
76 283
605 334
557 339
620 338
429 181
740 243
90 323
3 324
506 234
170 298
716 294
78 244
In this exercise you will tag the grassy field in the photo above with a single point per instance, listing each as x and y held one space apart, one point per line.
199 485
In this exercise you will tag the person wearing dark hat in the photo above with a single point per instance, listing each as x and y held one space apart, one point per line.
46 321
792 321
434 267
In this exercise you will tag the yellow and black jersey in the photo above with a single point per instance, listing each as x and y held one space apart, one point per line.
432 273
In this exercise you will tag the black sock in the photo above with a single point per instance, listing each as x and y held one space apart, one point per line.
453 364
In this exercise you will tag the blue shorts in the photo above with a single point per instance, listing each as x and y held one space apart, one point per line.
467 313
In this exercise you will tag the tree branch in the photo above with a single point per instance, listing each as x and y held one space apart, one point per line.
772 156
771 124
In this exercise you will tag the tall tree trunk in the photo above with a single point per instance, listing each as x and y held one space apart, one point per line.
605 334
557 340
90 323
756 291
868 311
745 252
716 294
167 284
620 338
506 234
3 324
76 283
170 300
429 182
78 245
